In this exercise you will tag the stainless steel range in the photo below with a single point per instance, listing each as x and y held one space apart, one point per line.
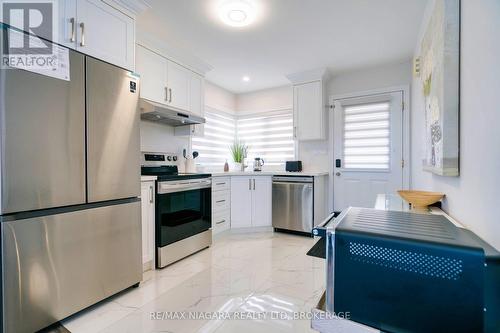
183 208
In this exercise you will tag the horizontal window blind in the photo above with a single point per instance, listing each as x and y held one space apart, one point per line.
219 134
367 136
269 136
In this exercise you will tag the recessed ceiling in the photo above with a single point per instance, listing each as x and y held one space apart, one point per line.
287 36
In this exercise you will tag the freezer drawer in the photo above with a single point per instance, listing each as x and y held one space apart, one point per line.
293 205
43 139
113 143
54 266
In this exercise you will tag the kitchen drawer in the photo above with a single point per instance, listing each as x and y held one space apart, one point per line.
221 184
221 221
220 201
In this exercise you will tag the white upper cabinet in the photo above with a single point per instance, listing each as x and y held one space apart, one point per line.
309 113
309 110
178 82
166 82
197 94
105 33
95 28
67 23
153 71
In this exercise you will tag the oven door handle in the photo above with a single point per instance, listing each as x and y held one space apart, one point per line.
171 188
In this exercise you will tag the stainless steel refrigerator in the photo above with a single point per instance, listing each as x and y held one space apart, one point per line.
70 182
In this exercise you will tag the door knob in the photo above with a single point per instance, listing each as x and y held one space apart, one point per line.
337 174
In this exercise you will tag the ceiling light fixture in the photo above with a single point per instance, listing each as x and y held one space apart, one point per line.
245 78
237 13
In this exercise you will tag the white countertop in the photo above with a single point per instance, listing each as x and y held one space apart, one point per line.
252 173
269 173
148 178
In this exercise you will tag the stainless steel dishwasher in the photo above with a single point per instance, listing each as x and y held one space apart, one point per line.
293 203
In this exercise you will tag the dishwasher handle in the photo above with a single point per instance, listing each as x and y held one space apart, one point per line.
292 179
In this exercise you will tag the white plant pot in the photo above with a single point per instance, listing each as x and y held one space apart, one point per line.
237 166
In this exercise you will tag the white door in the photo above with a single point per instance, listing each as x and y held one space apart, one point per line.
153 71
178 86
241 202
261 202
105 33
308 111
196 98
148 221
368 149
67 23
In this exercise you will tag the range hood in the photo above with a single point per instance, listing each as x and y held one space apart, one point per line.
160 113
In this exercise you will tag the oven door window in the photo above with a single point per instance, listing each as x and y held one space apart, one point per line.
182 214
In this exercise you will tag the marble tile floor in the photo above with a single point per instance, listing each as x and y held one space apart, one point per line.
250 274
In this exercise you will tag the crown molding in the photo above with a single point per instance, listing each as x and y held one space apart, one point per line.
134 6
317 74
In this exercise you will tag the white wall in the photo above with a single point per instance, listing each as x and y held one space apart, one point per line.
280 98
316 153
473 198
386 75
219 98
156 137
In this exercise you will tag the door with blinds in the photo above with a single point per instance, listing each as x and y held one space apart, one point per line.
368 149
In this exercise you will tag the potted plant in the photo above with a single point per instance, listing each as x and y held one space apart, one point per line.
239 152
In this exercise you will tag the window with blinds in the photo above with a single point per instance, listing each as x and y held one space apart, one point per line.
367 136
219 134
269 136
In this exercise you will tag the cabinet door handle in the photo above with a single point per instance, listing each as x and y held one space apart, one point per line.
166 94
82 26
295 131
220 183
218 201
254 184
249 184
151 194
222 221
72 36
170 99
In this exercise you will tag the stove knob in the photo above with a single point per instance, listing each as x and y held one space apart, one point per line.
174 158
169 158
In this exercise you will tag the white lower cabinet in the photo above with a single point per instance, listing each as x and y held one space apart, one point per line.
262 202
148 224
221 204
251 201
